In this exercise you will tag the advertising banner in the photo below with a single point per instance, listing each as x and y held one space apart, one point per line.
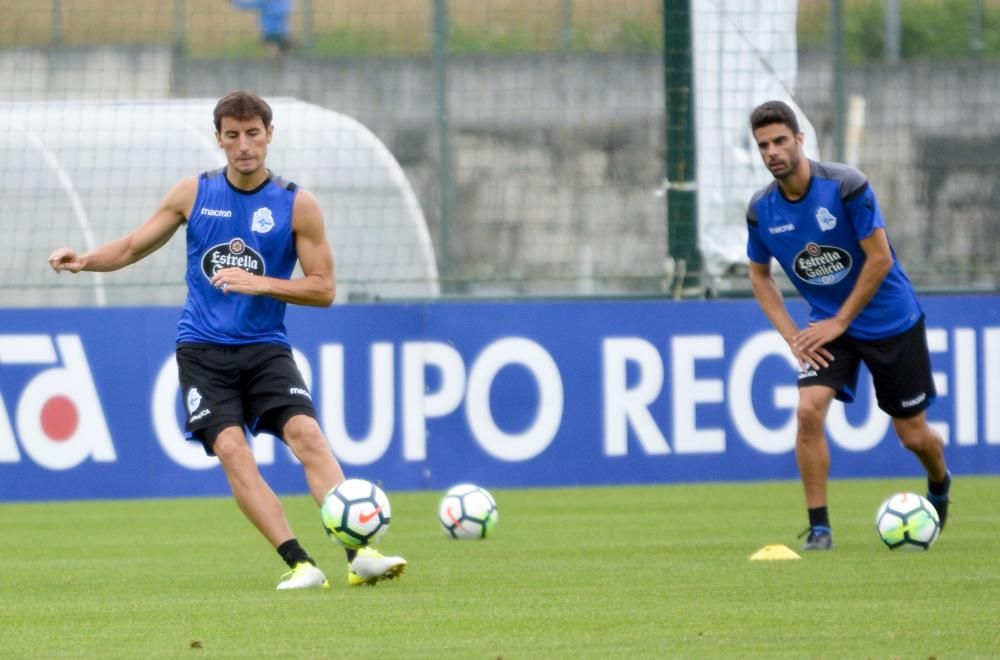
504 394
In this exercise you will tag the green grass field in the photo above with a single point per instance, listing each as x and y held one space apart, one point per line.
659 571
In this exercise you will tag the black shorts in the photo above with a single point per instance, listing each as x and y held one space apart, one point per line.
257 386
900 368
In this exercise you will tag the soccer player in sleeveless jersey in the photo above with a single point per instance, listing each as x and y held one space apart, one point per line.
246 230
822 224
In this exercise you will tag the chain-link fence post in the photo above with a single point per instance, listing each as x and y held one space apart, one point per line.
179 27
681 172
839 109
444 169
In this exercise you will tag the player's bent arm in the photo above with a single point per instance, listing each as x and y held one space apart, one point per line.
878 263
150 236
771 301
317 286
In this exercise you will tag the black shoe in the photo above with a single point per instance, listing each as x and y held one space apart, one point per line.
940 503
820 538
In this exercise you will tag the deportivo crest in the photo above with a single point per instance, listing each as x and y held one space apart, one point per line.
193 399
826 220
262 221
822 264
235 253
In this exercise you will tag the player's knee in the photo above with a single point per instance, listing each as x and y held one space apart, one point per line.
300 426
230 448
303 434
810 418
914 434
915 439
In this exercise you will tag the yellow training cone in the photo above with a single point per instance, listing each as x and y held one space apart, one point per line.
772 552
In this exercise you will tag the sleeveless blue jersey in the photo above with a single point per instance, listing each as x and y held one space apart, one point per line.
816 239
248 229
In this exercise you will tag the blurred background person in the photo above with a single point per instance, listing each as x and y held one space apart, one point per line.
275 23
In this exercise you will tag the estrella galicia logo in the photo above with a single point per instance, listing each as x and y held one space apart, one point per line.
227 255
822 264
826 220
262 221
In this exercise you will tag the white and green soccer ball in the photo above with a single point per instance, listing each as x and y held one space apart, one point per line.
468 511
907 521
356 513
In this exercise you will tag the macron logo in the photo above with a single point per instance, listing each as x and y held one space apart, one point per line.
217 213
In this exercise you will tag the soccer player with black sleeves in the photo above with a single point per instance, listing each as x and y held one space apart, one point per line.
246 230
823 225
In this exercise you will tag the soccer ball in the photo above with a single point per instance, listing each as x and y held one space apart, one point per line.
356 513
468 512
907 521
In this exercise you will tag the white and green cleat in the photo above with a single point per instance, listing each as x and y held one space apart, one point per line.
303 576
371 567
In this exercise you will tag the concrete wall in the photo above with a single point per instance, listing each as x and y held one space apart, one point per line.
558 159
930 147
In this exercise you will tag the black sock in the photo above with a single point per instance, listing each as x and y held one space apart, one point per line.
351 554
293 553
940 488
819 517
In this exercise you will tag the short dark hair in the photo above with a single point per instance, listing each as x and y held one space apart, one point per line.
242 106
774 112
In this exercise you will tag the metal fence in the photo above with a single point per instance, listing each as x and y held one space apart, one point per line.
542 140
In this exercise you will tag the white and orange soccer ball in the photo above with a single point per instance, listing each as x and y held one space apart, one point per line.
468 511
356 513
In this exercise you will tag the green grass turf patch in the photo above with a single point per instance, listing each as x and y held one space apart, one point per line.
650 571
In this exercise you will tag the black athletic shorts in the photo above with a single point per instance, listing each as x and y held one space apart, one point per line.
257 386
900 368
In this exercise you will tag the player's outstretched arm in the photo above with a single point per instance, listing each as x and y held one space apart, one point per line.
316 287
146 239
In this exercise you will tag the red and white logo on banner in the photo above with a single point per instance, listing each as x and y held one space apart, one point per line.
58 416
